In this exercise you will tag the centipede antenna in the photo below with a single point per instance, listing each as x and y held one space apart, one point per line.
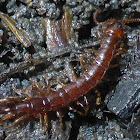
95 18
102 23
124 21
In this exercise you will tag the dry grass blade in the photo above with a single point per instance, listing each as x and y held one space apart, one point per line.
18 32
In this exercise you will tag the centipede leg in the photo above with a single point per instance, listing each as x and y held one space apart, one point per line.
59 115
27 92
46 90
45 122
76 111
73 77
7 117
37 90
19 120
70 72
85 107
85 62
120 50
98 99
40 121
20 92
4 101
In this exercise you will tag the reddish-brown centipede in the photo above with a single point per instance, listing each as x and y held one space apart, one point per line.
16 107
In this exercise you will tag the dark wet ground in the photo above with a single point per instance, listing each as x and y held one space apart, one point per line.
35 56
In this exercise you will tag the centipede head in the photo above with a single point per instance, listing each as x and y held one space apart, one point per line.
115 28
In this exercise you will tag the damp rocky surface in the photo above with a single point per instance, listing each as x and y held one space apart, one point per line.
25 56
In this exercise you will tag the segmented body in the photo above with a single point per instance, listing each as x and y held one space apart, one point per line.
72 91
19 108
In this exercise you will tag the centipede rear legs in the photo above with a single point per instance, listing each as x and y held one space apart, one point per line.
28 93
36 89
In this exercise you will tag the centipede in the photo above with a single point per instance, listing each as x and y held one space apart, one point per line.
20 109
